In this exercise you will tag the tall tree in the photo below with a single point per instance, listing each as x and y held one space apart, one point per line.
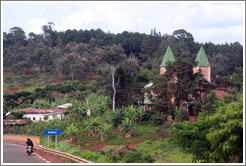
113 55
162 104
49 34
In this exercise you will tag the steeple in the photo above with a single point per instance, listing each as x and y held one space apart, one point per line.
203 64
168 57
202 59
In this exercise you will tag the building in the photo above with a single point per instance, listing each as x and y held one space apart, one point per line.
202 64
41 114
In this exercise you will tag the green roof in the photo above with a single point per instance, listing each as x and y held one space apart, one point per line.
202 58
168 57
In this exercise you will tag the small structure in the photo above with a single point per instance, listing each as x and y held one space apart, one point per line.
148 99
64 106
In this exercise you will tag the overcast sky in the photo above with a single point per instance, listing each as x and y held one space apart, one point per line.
206 21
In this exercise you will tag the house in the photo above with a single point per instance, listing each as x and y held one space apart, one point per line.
36 114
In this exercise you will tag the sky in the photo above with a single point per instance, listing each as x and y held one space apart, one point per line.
216 22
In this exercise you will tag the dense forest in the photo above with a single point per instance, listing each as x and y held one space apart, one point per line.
76 54
106 74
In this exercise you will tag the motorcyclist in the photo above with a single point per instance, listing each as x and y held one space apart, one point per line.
29 143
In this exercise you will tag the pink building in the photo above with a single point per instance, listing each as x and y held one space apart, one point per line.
202 64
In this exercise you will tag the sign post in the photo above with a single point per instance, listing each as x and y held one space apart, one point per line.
52 132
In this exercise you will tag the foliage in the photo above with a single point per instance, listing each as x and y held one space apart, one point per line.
209 104
182 115
127 125
164 151
226 133
97 104
71 131
116 117
214 138
163 105
17 115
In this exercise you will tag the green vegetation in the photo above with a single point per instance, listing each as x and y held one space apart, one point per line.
214 138
103 75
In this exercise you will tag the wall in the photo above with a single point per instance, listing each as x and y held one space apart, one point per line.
39 117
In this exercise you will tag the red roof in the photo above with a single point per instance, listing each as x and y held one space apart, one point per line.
38 111
220 92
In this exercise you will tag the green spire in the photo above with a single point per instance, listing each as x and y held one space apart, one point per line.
201 58
168 57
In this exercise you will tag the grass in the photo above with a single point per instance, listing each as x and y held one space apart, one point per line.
117 137
165 152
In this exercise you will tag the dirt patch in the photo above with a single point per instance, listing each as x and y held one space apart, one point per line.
50 157
101 146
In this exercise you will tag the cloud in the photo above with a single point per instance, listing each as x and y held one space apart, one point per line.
35 25
217 20
218 35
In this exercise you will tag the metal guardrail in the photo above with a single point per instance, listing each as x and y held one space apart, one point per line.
63 154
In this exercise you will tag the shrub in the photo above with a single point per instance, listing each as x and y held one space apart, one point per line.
182 115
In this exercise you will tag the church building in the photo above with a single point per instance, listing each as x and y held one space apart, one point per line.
202 63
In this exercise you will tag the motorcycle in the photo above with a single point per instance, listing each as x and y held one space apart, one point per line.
29 150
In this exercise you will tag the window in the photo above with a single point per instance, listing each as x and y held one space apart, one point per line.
33 118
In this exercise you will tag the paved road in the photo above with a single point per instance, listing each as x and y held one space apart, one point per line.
17 154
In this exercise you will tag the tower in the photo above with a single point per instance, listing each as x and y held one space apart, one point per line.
168 57
203 64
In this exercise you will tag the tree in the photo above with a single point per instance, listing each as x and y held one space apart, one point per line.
182 115
209 104
226 133
49 34
18 36
127 125
214 137
129 89
104 127
71 131
113 55
162 104
181 34
72 65
186 85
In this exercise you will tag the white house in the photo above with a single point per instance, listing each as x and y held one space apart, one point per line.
39 114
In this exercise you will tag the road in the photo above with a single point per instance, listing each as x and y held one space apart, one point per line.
17 154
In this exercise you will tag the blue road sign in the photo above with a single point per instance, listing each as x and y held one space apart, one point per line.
52 132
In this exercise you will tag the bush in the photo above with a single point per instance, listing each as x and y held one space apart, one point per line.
182 115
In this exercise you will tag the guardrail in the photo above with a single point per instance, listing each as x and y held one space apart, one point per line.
39 147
